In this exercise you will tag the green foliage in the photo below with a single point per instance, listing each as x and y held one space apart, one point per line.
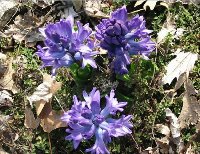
188 18
120 3
41 144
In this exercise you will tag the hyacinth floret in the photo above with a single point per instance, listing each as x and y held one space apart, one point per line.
64 46
122 37
86 119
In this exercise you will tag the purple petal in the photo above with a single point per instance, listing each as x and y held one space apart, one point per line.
99 146
89 61
120 14
95 105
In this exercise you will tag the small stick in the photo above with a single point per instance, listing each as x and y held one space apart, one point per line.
50 148
59 103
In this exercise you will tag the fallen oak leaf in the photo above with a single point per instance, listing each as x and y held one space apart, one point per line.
149 3
168 27
8 8
184 62
163 144
43 109
53 121
190 113
172 135
175 131
30 121
78 4
42 93
93 8
45 90
163 129
55 86
174 123
139 2
25 28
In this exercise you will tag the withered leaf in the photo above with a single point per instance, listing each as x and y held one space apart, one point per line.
174 124
25 29
93 8
45 90
30 121
148 3
190 113
184 62
168 27
5 98
163 129
163 144
53 121
6 81
43 109
3 122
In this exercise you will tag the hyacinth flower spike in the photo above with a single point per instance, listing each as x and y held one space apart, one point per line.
86 119
122 38
64 46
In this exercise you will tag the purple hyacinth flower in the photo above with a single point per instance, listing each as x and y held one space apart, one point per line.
86 119
122 38
65 46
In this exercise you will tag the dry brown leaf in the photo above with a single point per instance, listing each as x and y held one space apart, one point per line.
43 109
190 113
93 8
8 8
174 123
180 81
78 4
163 129
30 121
55 86
163 144
149 3
45 90
25 29
6 81
53 121
3 122
43 95
169 27
5 98
139 2
183 63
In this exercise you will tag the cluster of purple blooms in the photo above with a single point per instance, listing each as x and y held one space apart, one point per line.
64 46
122 38
118 35
86 120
